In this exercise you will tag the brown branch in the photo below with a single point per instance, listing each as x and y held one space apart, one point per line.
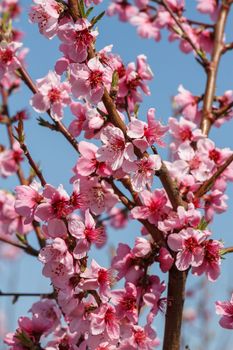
20 174
28 249
73 7
212 69
226 250
174 312
207 185
221 112
202 59
227 47
23 146
201 24
2 294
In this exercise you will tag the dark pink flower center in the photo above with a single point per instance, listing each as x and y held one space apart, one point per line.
185 134
214 155
191 244
54 95
109 316
143 166
212 252
139 336
95 78
6 56
93 235
75 200
103 276
83 37
128 303
117 144
133 84
195 163
61 207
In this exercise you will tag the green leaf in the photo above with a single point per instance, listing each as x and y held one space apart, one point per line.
203 224
89 11
81 8
97 18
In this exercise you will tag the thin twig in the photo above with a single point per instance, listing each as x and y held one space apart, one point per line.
208 184
202 59
28 249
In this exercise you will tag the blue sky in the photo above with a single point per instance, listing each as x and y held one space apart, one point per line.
171 68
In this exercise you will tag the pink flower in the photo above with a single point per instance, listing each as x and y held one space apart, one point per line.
7 163
180 219
207 149
8 59
97 277
52 95
99 195
141 248
165 259
56 204
47 312
77 38
124 10
143 338
58 262
86 233
88 81
212 260
209 7
225 309
183 130
46 13
113 150
185 103
10 221
188 244
119 218
88 163
155 206
125 264
104 320
77 125
151 132
27 200
146 28
142 171
126 300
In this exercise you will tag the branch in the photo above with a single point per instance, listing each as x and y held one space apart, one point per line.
28 249
207 185
221 112
20 174
207 114
226 250
202 60
201 24
74 10
16 296
28 155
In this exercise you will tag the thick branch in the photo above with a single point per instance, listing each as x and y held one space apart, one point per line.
175 302
207 113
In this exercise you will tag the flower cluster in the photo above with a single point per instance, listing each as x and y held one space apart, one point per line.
118 163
